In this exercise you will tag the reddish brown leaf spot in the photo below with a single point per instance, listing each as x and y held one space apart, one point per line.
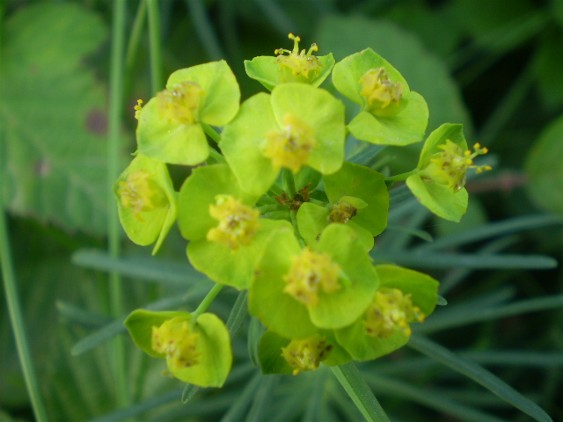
42 168
96 122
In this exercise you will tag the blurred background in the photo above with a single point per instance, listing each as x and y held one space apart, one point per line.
494 65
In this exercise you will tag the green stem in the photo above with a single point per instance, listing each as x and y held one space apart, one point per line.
216 155
288 182
116 101
135 38
212 133
154 42
207 301
16 318
204 29
401 177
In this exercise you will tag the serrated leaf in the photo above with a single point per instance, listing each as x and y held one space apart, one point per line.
52 112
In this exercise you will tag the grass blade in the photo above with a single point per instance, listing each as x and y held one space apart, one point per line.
490 230
351 380
445 260
429 398
479 375
138 268
116 327
466 315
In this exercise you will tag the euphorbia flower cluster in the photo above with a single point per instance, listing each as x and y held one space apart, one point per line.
274 208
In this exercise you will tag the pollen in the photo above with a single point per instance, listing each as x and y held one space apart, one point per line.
306 354
299 63
180 104
238 223
380 93
291 146
449 167
309 274
391 311
140 193
176 340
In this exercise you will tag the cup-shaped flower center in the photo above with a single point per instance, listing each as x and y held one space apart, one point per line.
306 354
180 103
381 95
176 339
299 63
309 274
140 193
291 146
238 223
449 167
389 311
341 212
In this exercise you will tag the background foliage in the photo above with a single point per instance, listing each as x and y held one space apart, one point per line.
493 65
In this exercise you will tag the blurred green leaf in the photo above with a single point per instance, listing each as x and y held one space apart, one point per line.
53 113
545 168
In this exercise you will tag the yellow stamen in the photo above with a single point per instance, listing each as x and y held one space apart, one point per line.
300 63
306 354
177 341
291 146
140 193
309 274
380 94
180 104
238 223
449 167
138 107
391 310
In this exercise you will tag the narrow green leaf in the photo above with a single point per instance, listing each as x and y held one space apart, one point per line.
116 327
81 316
517 358
428 397
100 336
238 313
137 409
238 409
316 403
351 380
490 230
262 400
446 260
479 375
139 268
468 315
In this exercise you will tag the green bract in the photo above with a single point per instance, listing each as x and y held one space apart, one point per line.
274 353
423 291
296 66
391 114
297 125
170 125
228 256
333 303
358 197
196 352
146 201
430 185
